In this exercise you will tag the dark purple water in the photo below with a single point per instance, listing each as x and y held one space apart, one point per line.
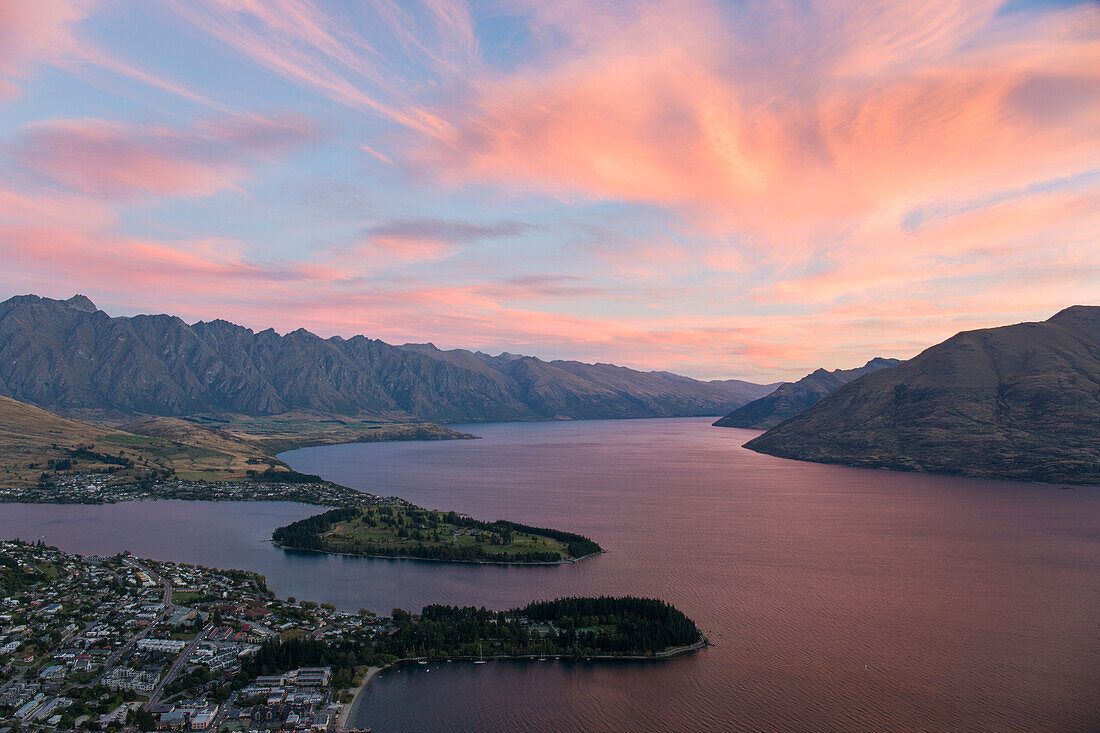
839 599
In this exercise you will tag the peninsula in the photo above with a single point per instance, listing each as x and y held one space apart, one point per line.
47 458
106 642
1018 402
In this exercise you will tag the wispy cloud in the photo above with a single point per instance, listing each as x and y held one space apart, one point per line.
115 160
728 189
36 31
304 44
427 239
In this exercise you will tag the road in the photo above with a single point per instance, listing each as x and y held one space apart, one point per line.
181 660
167 610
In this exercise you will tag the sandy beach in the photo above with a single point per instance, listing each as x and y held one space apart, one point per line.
345 714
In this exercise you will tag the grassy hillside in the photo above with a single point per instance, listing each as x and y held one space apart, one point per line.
34 442
278 433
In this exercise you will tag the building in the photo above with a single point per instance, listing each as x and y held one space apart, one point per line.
124 678
188 718
53 673
29 707
312 676
172 646
204 719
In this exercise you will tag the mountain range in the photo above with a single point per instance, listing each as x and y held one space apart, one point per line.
1018 402
792 398
69 357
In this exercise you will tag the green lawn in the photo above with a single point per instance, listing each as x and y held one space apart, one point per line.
183 635
50 569
124 439
427 528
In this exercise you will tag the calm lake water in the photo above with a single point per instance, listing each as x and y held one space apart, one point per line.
838 599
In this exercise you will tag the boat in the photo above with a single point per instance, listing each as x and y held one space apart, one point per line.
480 656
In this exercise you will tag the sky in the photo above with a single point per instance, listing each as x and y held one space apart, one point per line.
725 190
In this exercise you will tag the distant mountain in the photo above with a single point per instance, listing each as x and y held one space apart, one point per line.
1017 402
792 398
555 387
748 390
71 358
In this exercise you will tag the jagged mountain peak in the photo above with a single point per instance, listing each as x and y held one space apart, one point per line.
69 359
790 399
81 303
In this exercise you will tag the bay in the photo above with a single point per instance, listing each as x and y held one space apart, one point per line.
837 599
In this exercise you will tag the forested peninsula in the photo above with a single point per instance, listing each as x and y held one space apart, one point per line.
574 628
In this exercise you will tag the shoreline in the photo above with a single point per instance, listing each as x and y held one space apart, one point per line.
571 561
349 707
373 672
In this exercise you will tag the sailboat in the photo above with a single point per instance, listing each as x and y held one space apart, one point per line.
480 655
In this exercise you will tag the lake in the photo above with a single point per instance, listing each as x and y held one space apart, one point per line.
837 598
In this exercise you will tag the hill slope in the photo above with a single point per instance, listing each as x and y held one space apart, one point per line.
1017 402
71 358
34 442
790 399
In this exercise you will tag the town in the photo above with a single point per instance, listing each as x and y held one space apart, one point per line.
109 643
102 488
125 643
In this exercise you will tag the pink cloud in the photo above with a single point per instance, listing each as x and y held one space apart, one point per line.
115 160
815 117
784 147
981 247
203 278
423 240
32 31
37 32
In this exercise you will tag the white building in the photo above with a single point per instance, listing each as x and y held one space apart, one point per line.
173 646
